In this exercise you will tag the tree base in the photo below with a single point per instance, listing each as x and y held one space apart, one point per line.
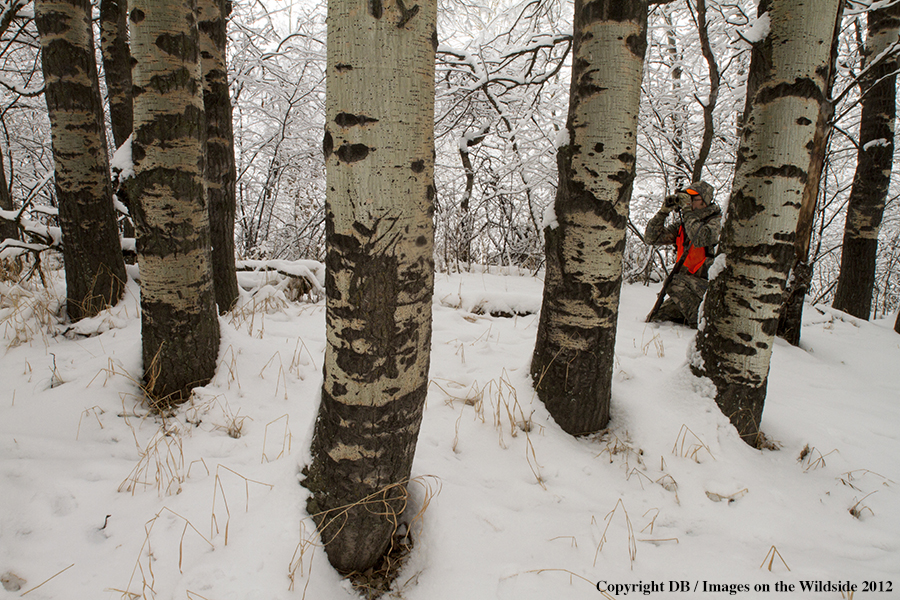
743 405
376 581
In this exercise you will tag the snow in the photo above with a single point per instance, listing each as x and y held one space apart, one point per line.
561 139
719 264
876 143
758 29
549 219
122 162
100 500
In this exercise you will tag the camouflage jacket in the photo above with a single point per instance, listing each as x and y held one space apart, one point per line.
701 226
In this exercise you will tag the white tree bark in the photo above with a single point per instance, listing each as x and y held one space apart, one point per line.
179 326
573 357
95 272
379 154
740 318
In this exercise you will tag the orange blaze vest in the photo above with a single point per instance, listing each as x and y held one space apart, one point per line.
695 257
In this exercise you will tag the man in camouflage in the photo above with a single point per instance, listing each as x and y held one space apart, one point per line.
695 230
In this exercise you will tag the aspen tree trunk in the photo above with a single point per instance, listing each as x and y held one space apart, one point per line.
379 154
791 318
95 271
117 66
788 81
117 69
466 233
873 169
573 356
180 329
8 229
221 175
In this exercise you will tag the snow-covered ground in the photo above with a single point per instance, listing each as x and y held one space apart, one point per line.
99 500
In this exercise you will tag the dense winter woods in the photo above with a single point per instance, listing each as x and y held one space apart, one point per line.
502 104
423 136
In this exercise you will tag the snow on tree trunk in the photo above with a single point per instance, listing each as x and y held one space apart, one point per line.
873 170
379 154
573 357
180 328
117 66
788 80
95 271
220 175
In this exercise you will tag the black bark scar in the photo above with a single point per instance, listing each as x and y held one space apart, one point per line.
406 15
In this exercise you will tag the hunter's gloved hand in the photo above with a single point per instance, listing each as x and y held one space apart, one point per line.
669 204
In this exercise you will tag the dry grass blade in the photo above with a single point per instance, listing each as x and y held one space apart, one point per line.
230 365
632 543
279 377
298 361
48 579
308 541
286 439
639 473
218 487
849 476
770 557
94 410
859 508
572 578
565 537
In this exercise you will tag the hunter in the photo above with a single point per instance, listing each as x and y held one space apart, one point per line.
695 230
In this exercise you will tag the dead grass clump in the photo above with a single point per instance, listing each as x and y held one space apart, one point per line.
689 445
622 448
27 311
811 458
506 411
161 464
234 422
656 342
252 314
